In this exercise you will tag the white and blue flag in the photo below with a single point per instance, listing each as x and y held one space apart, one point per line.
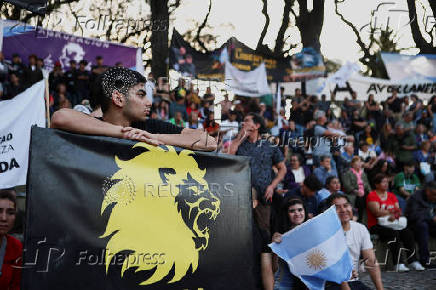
316 251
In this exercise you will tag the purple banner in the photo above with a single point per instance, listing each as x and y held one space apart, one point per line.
53 46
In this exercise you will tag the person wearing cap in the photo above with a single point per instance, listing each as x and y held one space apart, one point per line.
71 79
125 115
17 66
56 77
82 83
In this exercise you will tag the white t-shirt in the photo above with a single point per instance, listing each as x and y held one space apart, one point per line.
358 239
366 154
299 175
233 126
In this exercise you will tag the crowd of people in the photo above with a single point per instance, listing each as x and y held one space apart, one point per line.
374 160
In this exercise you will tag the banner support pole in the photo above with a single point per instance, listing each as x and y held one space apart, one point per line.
47 102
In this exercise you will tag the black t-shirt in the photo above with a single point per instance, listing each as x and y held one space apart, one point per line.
395 106
155 126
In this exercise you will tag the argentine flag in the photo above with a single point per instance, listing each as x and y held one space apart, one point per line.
316 251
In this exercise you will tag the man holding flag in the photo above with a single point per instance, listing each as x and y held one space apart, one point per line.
358 242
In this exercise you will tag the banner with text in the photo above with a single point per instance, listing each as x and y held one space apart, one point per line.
192 63
16 119
114 214
54 46
402 67
380 88
307 64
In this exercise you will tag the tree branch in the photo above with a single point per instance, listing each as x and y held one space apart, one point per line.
265 27
356 32
280 43
202 26
420 42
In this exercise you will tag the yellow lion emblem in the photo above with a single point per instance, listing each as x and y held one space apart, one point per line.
161 204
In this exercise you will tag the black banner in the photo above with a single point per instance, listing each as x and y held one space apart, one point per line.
106 213
307 64
192 63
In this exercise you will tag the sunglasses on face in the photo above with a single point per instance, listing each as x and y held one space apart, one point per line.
294 210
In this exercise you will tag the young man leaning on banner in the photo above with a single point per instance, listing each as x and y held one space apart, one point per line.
359 244
125 109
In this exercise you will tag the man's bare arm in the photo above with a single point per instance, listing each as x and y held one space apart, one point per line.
195 139
77 122
373 268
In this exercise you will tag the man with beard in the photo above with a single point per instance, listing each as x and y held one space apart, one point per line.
125 110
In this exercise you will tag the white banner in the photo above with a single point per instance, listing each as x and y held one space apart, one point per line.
17 116
249 84
380 88
406 67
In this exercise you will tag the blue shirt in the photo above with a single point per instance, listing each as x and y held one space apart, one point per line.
321 173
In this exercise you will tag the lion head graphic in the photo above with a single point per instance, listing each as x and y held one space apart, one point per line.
161 204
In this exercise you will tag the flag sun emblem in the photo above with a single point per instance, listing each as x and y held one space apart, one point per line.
316 260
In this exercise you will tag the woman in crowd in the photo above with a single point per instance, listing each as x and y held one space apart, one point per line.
385 137
296 172
293 214
356 185
381 203
193 122
210 125
332 186
10 248
193 107
61 97
381 166
369 135
424 159
163 110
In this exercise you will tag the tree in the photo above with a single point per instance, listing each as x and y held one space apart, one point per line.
309 23
417 33
198 40
380 39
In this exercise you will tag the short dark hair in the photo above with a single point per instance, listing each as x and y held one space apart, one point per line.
379 177
258 119
324 157
334 196
9 194
117 79
312 182
329 179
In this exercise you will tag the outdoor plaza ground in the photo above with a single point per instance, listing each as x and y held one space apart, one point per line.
425 280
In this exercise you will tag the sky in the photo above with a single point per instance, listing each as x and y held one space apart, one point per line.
244 20
338 42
